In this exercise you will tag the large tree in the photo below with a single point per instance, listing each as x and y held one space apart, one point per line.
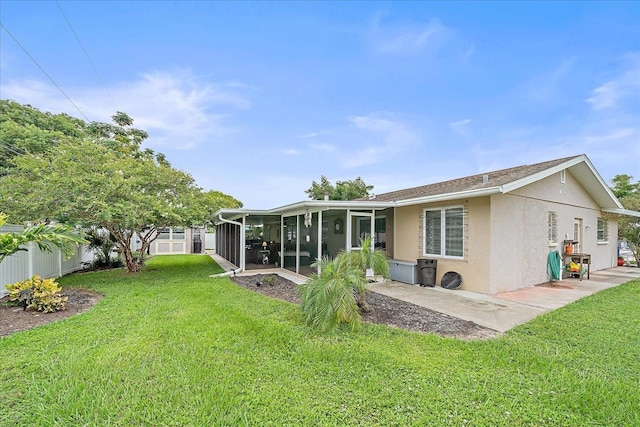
24 129
343 190
107 181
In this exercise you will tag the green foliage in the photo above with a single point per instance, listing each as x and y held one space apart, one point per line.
213 200
338 293
623 187
24 129
628 227
328 298
45 295
44 235
269 280
343 190
101 243
105 181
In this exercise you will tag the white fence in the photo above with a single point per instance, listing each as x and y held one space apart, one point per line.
24 264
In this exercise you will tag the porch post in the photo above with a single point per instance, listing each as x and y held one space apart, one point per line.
243 243
297 244
373 229
282 241
319 239
348 231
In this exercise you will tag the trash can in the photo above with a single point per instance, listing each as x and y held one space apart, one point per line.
427 271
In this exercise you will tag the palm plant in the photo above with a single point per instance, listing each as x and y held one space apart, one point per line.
328 297
338 292
44 235
367 259
101 242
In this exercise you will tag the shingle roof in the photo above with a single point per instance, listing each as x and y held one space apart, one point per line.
474 182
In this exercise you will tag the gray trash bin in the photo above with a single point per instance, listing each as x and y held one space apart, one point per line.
427 271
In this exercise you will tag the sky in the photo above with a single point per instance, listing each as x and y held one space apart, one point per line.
259 99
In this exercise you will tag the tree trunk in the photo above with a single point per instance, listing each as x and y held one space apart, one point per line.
361 300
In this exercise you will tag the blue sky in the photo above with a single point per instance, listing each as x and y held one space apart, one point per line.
259 99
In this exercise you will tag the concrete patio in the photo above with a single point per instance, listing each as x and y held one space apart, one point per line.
506 310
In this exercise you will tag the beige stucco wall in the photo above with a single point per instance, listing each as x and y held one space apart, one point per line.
506 235
475 266
519 235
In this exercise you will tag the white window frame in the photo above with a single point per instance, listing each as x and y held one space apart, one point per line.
552 227
604 230
443 231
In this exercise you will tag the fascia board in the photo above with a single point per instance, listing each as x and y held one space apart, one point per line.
626 212
451 196
542 174
319 205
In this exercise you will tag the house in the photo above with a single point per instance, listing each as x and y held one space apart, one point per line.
176 240
494 229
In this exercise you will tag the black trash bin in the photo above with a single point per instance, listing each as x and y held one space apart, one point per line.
427 271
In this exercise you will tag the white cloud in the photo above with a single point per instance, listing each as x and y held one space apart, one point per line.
461 127
177 109
376 136
407 38
329 148
625 85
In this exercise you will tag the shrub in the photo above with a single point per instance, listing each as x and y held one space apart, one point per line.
338 293
269 280
45 294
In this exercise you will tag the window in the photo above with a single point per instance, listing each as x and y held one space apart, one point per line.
603 230
178 234
444 232
553 227
169 234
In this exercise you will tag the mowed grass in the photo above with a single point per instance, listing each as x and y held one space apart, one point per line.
171 346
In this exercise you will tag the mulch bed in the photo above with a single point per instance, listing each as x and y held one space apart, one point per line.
14 319
384 310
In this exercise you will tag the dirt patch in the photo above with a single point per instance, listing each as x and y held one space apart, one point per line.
14 319
384 310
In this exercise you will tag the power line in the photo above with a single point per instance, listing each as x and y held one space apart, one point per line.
44 72
12 149
85 52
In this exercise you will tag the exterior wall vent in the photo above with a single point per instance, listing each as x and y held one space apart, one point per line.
563 176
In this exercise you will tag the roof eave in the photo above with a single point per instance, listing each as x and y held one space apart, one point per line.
625 212
468 194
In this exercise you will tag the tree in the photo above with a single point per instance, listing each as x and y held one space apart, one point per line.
628 227
107 182
24 129
623 187
45 236
213 200
343 190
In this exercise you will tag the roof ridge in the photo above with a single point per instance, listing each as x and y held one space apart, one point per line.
508 175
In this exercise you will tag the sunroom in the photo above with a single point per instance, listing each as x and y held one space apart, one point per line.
294 236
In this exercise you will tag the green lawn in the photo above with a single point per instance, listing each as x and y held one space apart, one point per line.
172 346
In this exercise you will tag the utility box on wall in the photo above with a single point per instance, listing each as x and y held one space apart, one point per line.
403 271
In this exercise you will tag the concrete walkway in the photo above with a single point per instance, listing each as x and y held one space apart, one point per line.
503 311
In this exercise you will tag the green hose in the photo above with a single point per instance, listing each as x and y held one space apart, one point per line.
553 265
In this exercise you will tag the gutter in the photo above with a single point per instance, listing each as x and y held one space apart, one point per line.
626 212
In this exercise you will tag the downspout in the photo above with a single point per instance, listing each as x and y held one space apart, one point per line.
242 241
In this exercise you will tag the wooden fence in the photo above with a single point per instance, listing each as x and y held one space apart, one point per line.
24 264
